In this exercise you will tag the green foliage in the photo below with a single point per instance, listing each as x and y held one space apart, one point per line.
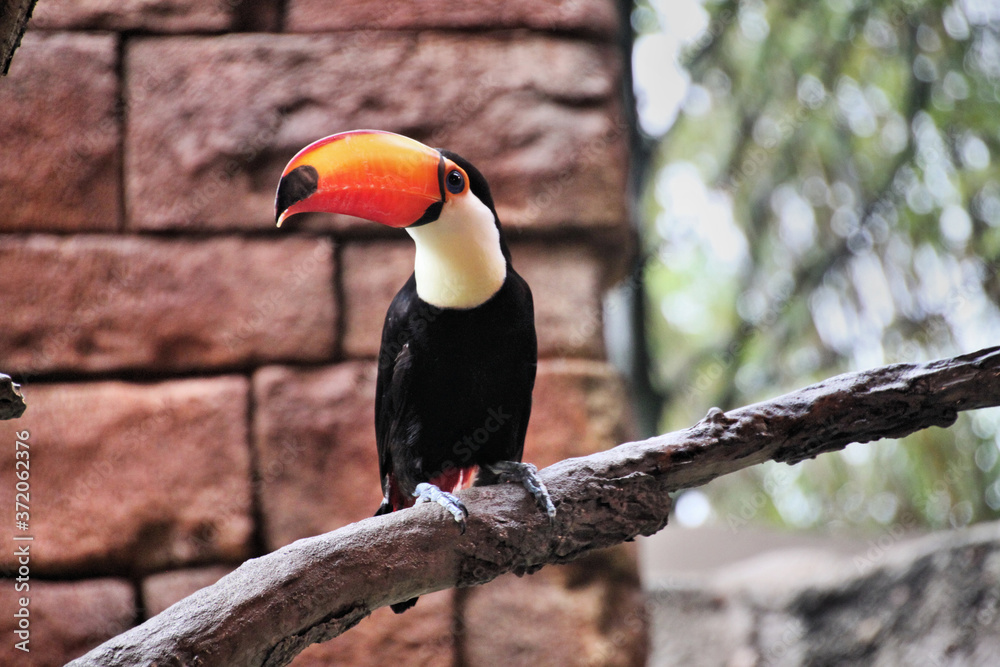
828 199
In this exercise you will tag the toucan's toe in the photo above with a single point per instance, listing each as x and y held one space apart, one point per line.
428 493
526 475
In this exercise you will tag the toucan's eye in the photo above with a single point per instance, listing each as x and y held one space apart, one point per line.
455 181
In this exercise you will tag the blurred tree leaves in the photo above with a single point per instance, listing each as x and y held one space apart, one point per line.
828 199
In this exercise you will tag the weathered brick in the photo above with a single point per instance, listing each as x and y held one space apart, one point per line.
565 280
371 274
100 303
133 477
61 135
314 433
551 140
67 619
315 437
161 590
420 637
586 613
593 16
157 16
579 407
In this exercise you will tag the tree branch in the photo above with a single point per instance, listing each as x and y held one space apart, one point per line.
271 608
14 17
11 402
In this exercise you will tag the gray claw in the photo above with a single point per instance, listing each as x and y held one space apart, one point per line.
526 475
428 493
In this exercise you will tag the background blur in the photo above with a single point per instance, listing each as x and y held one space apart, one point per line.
819 193
823 196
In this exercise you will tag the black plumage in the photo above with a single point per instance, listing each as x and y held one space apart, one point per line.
454 385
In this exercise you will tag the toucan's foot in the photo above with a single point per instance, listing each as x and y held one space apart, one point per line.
428 493
526 475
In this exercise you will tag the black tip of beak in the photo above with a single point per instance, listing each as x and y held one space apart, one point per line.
298 184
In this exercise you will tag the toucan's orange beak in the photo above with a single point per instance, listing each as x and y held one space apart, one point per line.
369 174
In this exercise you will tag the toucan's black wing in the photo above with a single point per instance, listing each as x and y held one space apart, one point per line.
454 388
396 420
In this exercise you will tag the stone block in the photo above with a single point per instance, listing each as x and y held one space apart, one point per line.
130 478
61 134
371 274
422 637
552 141
587 613
165 16
598 17
567 281
67 618
314 431
161 590
102 303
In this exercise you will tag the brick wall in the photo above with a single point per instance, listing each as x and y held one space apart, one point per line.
200 384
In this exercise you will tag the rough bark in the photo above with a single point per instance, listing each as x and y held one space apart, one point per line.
272 607
13 21
11 402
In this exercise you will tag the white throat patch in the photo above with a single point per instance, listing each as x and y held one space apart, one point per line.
459 263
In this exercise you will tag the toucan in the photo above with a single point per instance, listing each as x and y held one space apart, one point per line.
458 354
